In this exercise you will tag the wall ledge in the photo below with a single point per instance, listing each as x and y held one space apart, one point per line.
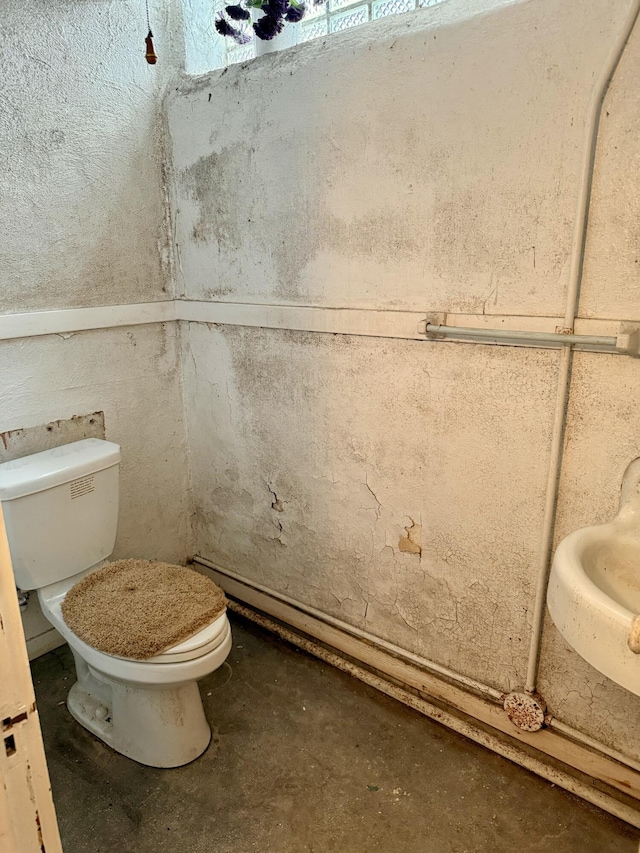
367 322
69 320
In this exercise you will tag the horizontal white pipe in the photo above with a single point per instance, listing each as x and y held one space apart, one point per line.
580 737
488 693
499 335
469 683
498 745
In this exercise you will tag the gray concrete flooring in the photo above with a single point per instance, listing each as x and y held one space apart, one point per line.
305 759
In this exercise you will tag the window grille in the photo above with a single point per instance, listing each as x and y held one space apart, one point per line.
332 17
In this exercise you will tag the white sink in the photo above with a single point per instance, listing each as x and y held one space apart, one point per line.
594 588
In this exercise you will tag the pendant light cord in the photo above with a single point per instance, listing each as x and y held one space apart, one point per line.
150 54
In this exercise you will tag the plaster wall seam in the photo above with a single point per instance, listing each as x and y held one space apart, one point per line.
183 347
370 322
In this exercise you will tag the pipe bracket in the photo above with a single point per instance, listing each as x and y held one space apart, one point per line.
628 339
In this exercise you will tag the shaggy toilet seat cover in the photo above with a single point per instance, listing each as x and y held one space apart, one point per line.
137 609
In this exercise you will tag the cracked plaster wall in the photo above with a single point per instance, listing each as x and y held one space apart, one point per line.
425 162
83 223
297 490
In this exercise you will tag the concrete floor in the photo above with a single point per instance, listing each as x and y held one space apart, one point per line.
304 758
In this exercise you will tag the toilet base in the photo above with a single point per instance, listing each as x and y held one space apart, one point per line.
159 726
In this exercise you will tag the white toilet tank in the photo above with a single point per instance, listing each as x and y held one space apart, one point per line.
61 510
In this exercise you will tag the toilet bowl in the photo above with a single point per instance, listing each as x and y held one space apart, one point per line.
149 710
60 511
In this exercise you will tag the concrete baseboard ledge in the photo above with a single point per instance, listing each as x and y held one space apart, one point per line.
43 643
586 772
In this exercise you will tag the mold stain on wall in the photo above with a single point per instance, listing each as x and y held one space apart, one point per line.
298 491
400 486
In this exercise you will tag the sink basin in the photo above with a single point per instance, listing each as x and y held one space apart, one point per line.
594 588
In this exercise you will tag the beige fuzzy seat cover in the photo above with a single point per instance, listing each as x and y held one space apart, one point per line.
136 608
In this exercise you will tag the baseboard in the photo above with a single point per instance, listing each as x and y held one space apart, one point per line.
591 775
43 643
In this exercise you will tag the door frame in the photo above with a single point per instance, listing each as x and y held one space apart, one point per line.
28 821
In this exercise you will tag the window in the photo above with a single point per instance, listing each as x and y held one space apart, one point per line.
207 50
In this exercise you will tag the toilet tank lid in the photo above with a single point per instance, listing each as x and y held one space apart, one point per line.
49 468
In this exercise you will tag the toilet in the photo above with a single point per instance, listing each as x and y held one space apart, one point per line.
60 509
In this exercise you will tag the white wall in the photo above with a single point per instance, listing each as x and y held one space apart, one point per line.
132 375
426 163
83 223
423 163
388 168
82 219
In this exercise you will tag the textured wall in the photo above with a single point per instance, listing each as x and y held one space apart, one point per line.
377 481
132 375
603 428
603 436
83 223
82 219
611 284
401 165
428 162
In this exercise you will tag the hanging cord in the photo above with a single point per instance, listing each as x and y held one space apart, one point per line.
150 54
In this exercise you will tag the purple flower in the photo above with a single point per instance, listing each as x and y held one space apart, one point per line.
237 13
268 27
225 29
276 8
295 13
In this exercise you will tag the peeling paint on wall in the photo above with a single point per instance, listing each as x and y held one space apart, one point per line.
409 543
413 474
23 442
296 489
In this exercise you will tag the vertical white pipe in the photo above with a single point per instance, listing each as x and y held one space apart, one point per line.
571 310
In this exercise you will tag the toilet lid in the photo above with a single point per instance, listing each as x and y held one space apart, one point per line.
141 610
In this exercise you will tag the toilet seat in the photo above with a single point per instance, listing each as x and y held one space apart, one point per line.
191 658
201 643
207 639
